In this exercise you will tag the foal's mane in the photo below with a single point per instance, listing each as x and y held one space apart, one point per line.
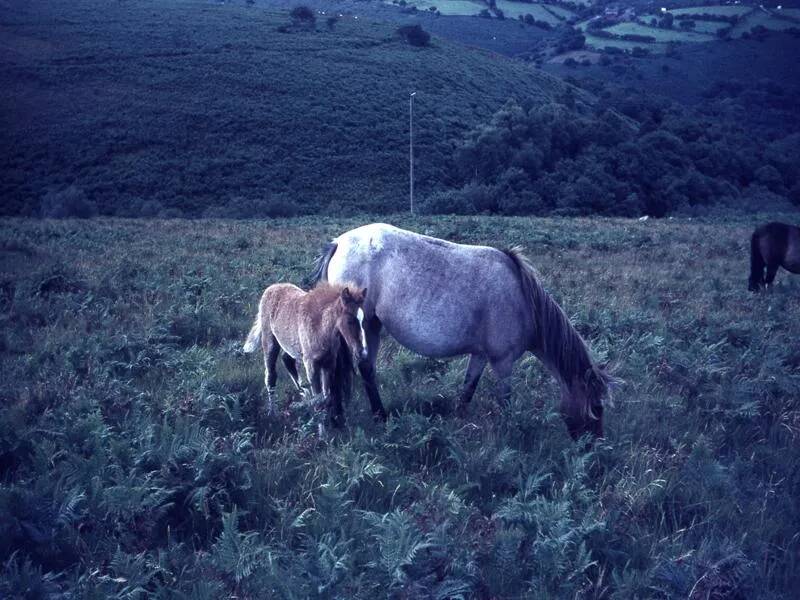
555 337
324 293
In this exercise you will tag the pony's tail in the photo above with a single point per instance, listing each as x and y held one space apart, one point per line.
320 272
756 264
254 337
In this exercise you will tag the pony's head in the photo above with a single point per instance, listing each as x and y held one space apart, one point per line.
583 399
351 321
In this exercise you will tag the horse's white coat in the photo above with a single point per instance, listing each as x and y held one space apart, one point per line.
435 297
443 299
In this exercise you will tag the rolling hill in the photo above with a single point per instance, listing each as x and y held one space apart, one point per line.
189 105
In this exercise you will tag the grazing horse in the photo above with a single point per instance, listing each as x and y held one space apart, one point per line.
311 326
771 246
442 299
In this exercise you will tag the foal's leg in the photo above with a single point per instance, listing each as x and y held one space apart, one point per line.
291 366
366 367
271 350
332 396
472 376
314 376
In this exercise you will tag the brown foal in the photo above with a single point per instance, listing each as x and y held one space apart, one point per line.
313 327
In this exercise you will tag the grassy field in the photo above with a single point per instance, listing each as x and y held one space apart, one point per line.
451 7
660 35
759 18
539 11
136 459
710 27
725 11
593 41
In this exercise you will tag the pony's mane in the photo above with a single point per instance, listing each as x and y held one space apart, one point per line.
555 337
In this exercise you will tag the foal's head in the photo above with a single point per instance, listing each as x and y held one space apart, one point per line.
350 322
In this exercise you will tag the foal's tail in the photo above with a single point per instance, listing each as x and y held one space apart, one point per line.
756 264
254 337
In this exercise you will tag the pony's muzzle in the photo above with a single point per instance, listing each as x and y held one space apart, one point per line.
364 354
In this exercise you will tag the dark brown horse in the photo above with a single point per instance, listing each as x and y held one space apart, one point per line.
311 327
771 246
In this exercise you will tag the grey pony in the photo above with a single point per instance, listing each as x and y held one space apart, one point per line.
442 299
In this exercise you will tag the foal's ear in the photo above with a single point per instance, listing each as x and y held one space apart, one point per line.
346 295
363 294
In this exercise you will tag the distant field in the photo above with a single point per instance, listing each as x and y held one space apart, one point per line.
599 43
559 11
712 10
794 13
660 35
760 18
538 11
450 7
709 27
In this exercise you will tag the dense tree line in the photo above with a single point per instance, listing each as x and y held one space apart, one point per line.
635 155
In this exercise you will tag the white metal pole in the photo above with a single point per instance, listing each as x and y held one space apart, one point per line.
411 151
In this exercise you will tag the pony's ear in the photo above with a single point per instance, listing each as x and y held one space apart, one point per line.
346 295
363 294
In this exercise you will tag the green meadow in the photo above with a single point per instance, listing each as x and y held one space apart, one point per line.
759 18
451 7
660 35
137 460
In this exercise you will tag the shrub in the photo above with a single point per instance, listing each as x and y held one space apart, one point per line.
414 35
303 15
151 208
67 203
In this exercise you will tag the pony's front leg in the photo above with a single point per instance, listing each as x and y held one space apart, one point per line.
502 369
366 367
472 376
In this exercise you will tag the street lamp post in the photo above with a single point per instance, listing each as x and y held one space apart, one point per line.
411 150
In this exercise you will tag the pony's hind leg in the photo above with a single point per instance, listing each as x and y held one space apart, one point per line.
472 376
291 366
271 352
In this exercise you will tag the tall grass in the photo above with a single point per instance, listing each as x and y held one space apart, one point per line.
136 458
